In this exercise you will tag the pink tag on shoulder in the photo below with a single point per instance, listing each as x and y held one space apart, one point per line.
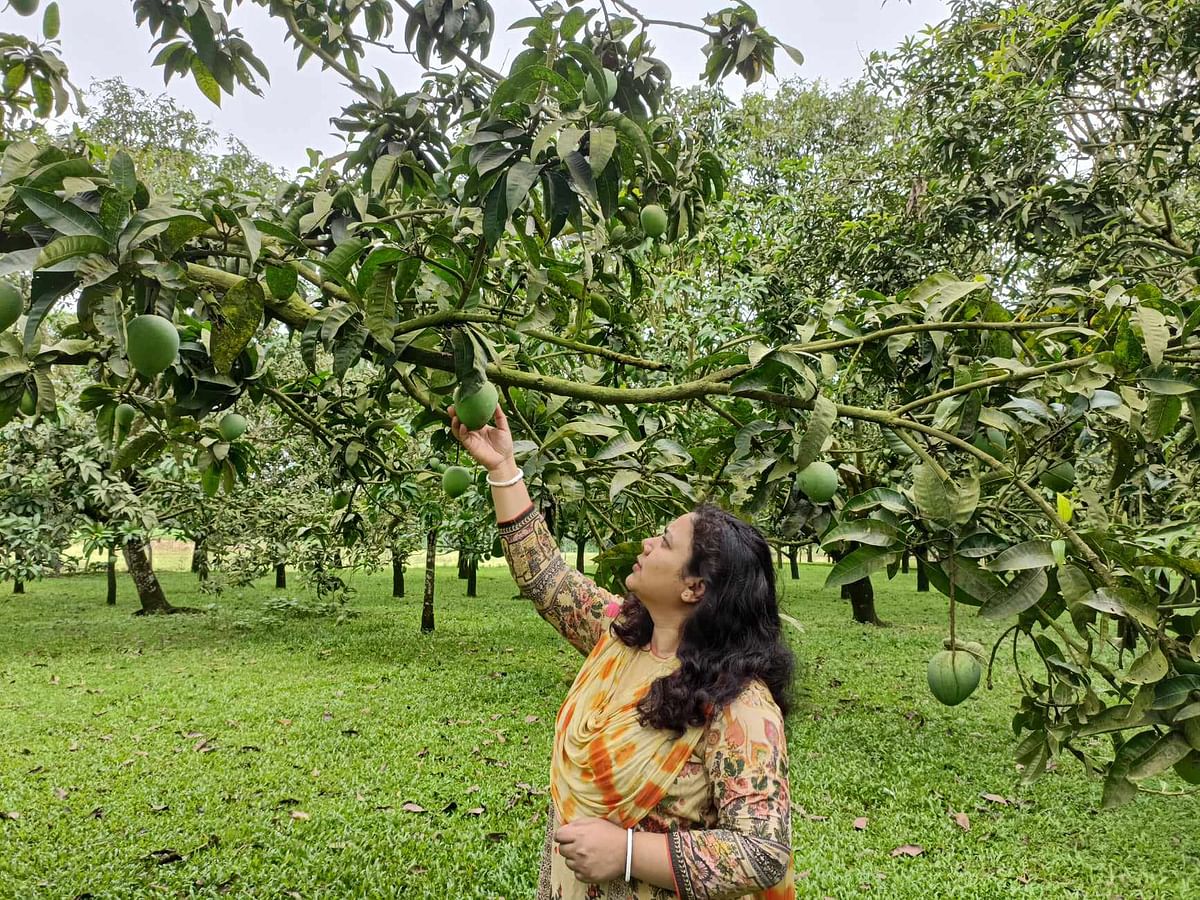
612 608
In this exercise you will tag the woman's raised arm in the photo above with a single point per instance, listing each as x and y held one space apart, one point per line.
567 599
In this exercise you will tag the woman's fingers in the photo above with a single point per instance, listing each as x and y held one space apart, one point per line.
501 419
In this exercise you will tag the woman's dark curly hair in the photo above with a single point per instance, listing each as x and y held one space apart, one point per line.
732 636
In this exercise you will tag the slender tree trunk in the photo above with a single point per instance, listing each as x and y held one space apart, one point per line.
18 587
922 577
149 591
462 565
904 563
778 556
397 573
580 552
473 578
862 602
808 552
199 558
280 576
111 572
430 571
794 561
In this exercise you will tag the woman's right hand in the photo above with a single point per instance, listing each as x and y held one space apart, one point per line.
491 446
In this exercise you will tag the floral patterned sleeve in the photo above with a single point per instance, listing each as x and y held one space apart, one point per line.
750 848
564 597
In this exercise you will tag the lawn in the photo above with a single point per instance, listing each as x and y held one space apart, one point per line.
229 754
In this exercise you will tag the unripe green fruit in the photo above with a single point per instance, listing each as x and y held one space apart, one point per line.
476 410
24 7
953 676
1060 477
654 220
818 481
152 344
125 414
12 304
1188 768
28 404
341 500
232 426
455 481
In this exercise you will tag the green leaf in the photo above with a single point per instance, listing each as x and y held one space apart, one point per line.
281 281
602 142
525 84
1148 668
887 498
1029 555
1161 416
972 585
381 307
495 211
622 480
581 175
1155 333
69 247
240 314
1175 691
865 531
521 178
590 429
143 448
1160 756
1023 592
857 565
348 348
122 175
343 257
47 289
1118 789
820 423
51 22
252 237
208 85
932 495
65 218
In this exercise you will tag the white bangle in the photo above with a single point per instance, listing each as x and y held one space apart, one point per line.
508 483
628 853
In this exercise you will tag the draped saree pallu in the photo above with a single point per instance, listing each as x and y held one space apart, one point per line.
719 792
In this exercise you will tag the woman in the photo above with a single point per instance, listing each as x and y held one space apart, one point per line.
669 770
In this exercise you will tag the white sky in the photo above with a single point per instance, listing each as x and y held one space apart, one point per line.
99 40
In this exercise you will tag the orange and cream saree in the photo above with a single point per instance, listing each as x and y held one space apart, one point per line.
719 792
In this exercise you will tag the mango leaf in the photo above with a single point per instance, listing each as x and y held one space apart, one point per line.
240 314
864 531
381 308
816 432
590 429
972 585
1023 592
886 498
1028 555
621 481
1155 333
521 177
145 447
1148 668
1118 789
69 247
1160 756
932 495
857 565
65 218
1175 691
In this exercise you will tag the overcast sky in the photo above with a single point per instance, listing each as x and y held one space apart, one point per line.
99 40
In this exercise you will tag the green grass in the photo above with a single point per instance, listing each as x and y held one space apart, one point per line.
320 733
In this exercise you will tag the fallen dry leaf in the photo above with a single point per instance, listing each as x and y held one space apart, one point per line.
11 814
908 850
529 720
476 811
860 824
300 814
995 798
61 793
412 807
961 820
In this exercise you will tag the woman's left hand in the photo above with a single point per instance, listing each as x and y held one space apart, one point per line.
594 849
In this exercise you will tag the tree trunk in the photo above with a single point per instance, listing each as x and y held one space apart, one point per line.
430 571
199 558
808 552
922 577
462 565
397 574
18 587
794 561
580 552
149 591
778 556
472 578
111 572
280 576
862 602
904 563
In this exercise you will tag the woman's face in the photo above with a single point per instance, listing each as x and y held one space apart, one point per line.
657 576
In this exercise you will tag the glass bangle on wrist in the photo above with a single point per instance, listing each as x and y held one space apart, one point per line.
509 482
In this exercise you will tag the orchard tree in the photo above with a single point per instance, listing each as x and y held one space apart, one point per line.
501 230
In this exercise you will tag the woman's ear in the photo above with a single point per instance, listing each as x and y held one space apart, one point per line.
694 590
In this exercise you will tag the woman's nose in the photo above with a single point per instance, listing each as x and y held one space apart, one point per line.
647 543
